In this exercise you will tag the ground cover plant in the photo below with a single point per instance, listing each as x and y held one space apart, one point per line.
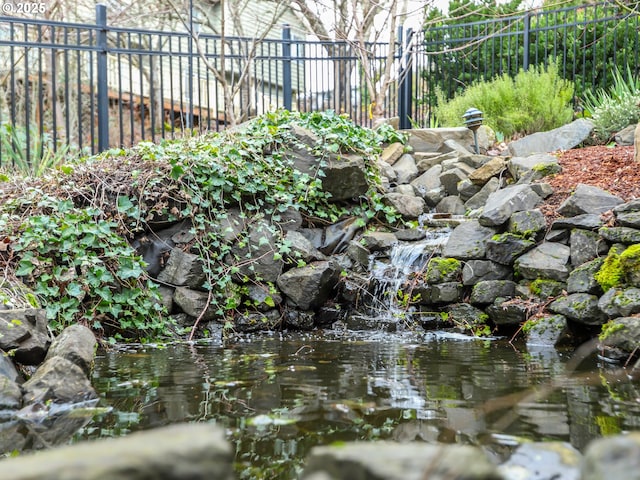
535 100
616 107
67 235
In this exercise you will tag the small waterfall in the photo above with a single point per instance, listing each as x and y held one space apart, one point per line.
390 275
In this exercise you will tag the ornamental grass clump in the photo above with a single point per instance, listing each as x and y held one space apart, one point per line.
614 108
535 100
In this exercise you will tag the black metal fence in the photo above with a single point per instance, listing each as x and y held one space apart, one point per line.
587 41
89 87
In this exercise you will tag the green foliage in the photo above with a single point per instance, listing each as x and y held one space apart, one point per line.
616 107
250 169
535 100
83 271
75 256
477 326
28 152
473 43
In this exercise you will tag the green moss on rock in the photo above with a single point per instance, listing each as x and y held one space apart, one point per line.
442 270
610 273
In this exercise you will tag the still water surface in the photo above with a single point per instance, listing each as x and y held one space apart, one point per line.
278 395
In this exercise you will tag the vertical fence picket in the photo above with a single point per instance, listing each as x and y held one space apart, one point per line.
177 90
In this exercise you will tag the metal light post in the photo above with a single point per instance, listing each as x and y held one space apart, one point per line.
472 120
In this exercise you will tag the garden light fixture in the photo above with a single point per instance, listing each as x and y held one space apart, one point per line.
472 120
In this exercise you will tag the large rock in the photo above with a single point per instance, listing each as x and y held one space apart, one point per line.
309 287
23 332
529 223
629 219
10 396
433 139
519 166
467 189
505 248
378 241
447 292
392 153
451 204
252 321
196 451
450 180
409 206
585 246
468 241
624 235
548 330
480 199
429 180
60 381
508 311
503 203
256 256
557 460
487 291
580 307
194 303
398 461
77 344
620 302
405 169
612 457
492 168
562 138
465 314
547 260
183 269
475 271
588 199
620 338
7 368
586 221
301 248
582 279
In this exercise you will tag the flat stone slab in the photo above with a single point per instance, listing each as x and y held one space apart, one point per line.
193 451
398 461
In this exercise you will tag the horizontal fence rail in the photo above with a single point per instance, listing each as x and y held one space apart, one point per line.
586 41
81 89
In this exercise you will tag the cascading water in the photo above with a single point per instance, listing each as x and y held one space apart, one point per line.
390 275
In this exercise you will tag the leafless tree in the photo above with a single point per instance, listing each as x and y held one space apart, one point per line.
355 26
235 73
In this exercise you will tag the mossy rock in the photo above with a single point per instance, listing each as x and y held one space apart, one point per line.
620 338
442 270
545 288
620 268
630 265
580 307
548 330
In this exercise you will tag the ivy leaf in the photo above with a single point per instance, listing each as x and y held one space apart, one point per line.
25 267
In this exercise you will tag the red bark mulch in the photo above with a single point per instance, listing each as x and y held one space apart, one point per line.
609 168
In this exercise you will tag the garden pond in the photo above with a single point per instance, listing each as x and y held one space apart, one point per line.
277 395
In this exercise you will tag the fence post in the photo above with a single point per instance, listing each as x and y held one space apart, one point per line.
525 41
103 87
286 67
405 79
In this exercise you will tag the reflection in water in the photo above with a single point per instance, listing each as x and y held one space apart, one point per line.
279 395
